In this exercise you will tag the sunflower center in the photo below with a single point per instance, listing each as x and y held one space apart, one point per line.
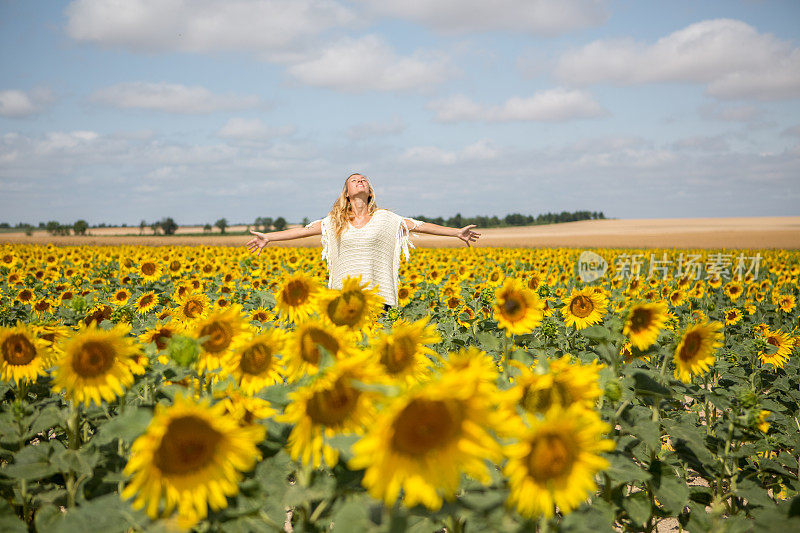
581 306
148 269
691 345
641 319
397 355
220 335
161 337
188 445
426 425
773 340
94 358
146 300
192 308
25 295
347 309
295 293
309 350
402 293
18 350
257 359
331 407
552 457
540 400
174 266
513 308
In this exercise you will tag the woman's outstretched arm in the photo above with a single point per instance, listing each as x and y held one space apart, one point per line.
465 234
262 239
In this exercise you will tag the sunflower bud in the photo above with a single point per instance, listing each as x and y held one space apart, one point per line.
613 391
183 350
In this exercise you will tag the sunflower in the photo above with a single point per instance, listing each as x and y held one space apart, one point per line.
332 404
732 316
517 310
644 323
555 461
785 302
260 315
734 289
23 355
243 407
297 297
42 306
423 440
784 344
192 307
695 351
217 332
98 314
150 270
97 364
121 297
405 293
25 296
402 353
583 308
353 306
190 457
255 364
565 382
677 297
146 302
302 353
159 334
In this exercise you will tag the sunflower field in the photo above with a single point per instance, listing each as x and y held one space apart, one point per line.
207 389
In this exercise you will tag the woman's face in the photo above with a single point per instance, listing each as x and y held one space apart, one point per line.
357 184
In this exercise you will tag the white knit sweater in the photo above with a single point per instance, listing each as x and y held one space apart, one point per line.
372 252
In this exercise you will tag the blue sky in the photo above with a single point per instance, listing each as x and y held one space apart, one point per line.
121 110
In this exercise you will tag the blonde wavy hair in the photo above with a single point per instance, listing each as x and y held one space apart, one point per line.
342 210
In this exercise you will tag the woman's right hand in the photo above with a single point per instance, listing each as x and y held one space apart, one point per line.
258 242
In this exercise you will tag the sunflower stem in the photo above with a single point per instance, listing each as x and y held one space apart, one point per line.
74 441
504 359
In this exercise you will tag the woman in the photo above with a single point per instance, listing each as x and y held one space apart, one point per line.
358 239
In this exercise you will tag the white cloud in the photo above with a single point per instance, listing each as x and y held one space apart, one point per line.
794 131
542 17
171 98
555 105
270 28
368 63
367 130
251 129
730 57
18 104
482 150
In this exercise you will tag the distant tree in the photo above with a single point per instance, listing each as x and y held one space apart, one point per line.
266 223
42 225
305 221
5 225
28 230
258 222
207 228
142 225
155 226
80 227
279 224
221 224
52 227
169 226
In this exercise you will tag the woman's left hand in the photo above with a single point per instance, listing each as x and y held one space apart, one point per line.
467 235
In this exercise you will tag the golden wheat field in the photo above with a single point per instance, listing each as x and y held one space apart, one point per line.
512 389
741 232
